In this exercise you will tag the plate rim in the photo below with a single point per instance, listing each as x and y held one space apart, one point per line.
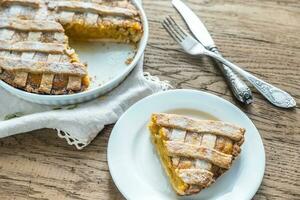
92 92
113 134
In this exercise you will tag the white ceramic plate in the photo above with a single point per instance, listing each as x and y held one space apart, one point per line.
106 67
137 171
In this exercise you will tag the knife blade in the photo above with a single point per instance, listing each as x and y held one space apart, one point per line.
240 90
195 24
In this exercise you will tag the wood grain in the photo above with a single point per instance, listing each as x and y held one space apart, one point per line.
260 35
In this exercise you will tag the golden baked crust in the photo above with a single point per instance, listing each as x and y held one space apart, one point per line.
194 153
34 52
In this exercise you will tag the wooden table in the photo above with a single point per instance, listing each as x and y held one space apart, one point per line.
263 36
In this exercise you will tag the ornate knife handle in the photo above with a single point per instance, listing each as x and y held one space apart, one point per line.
240 90
275 95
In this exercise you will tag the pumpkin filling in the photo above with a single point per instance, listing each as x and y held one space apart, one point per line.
129 32
158 138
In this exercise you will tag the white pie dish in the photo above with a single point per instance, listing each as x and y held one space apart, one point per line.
135 166
106 67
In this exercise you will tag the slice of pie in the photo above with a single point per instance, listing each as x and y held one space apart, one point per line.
194 153
34 52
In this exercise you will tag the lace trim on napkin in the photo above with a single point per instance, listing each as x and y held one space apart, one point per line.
71 140
165 85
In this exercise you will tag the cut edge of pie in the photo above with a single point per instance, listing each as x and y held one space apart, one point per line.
35 55
194 153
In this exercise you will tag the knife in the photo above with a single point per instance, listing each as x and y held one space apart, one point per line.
238 87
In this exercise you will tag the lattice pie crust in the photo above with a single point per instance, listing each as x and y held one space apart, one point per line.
34 52
194 153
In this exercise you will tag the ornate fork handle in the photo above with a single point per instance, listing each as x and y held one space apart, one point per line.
275 95
240 90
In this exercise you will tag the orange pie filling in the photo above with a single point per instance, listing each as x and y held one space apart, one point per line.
159 137
126 31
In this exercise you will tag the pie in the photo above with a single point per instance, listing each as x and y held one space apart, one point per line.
194 153
35 55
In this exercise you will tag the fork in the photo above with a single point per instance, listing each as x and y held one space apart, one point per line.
191 46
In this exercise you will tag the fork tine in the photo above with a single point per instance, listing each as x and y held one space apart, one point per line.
184 39
177 28
171 31
174 29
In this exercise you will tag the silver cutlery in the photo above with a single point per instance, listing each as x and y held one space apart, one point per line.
191 46
240 90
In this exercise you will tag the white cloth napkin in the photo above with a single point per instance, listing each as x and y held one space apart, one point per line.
78 125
